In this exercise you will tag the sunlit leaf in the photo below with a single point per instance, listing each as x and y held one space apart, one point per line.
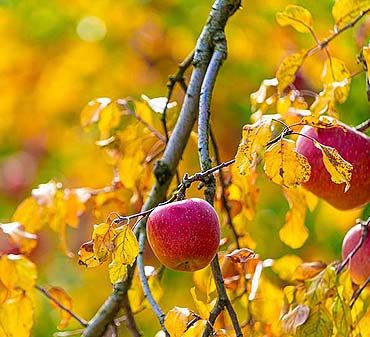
342 317
204 281
336 75
285 166
366 56
322 122
102 237
63 298
308 270
176 321
287 70
364 325
117 271
126 247
294 232
91 113
16 271
203 308
297 17
295 318
241 255
340 170
44 194
87 256
31 215
16 316
345 11
319 323
265 96
25 240
286 265
110 118
254 138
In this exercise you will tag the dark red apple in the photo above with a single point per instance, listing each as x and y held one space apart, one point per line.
184 235
353 146
359 265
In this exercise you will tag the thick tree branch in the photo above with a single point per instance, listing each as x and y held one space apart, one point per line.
218 56
130 320
166 167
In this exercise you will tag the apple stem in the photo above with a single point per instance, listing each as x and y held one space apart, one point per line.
365 231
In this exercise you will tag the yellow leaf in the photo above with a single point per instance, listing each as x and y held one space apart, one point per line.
254 138
297 17
294 233
117 271
294 318
284 166
16 271
340 170
203 280
286 265
86 255
196 330
176 321
203 308
63 298
25 240
324 102
364 325
345 11
103 236
44 194
308 270
319 121
16 316
319 321
287 70
336 75
126 247
110 118
91 113
32 216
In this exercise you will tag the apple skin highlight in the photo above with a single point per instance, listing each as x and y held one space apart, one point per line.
354 147
184 235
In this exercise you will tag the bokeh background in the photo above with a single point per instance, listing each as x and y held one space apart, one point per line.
55 56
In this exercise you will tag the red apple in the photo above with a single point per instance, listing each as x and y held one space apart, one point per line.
359 265
184 235
353 146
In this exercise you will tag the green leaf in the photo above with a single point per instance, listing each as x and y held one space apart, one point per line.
319 323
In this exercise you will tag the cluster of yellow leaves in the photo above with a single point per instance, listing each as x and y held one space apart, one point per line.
17 281
109 243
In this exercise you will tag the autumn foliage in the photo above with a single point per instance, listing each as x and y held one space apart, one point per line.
278 269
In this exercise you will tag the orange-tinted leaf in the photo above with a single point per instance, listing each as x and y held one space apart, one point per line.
86 255
63 298
241 255
297 17
285 166
176 321
31 215
254 138
25 240
287 70
44 194
294 232
308 270
91 113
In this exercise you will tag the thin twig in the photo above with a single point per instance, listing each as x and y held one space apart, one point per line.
129 318
61 306
218 56
364 126
144 282
223 189
165 168
357 294
364 234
